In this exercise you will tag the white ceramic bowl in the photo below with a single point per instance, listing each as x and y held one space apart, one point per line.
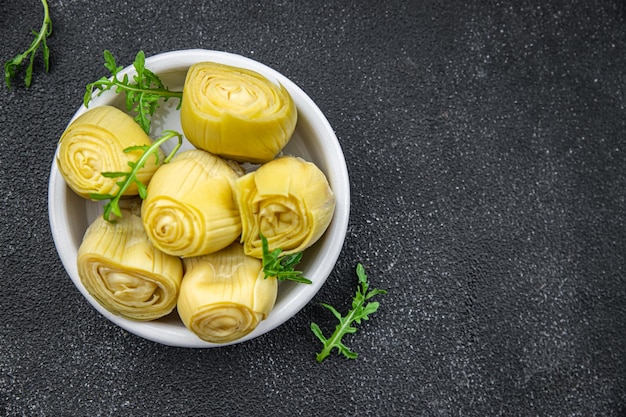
313 140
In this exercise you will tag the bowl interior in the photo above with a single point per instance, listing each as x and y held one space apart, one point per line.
314 140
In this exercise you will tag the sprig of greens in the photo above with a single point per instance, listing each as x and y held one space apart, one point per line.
143 93
11 66
360 310
281 267
130 177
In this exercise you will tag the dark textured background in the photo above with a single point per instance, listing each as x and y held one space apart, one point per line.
485 144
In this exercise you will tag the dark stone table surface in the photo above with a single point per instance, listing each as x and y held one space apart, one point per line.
485 142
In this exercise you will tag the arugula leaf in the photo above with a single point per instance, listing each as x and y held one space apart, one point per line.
11 66
281 267
361 309
143 93
112 206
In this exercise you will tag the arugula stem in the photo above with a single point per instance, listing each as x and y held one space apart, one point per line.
336 337
112 206
361 309
40 39
128 87
144 157
281 266
143 91
46 26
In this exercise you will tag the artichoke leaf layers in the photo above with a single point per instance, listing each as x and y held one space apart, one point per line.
94 143
125 273
236 113
289 201
225 295
190 208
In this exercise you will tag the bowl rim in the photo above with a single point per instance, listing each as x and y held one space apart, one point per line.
169 333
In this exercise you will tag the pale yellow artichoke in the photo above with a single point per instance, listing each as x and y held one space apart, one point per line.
289 201
94 143
190 208
224 295
236 113
125 273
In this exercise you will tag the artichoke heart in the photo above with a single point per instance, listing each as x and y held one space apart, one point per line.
190 208
236 113
224 295
125 273
289 201
94 143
